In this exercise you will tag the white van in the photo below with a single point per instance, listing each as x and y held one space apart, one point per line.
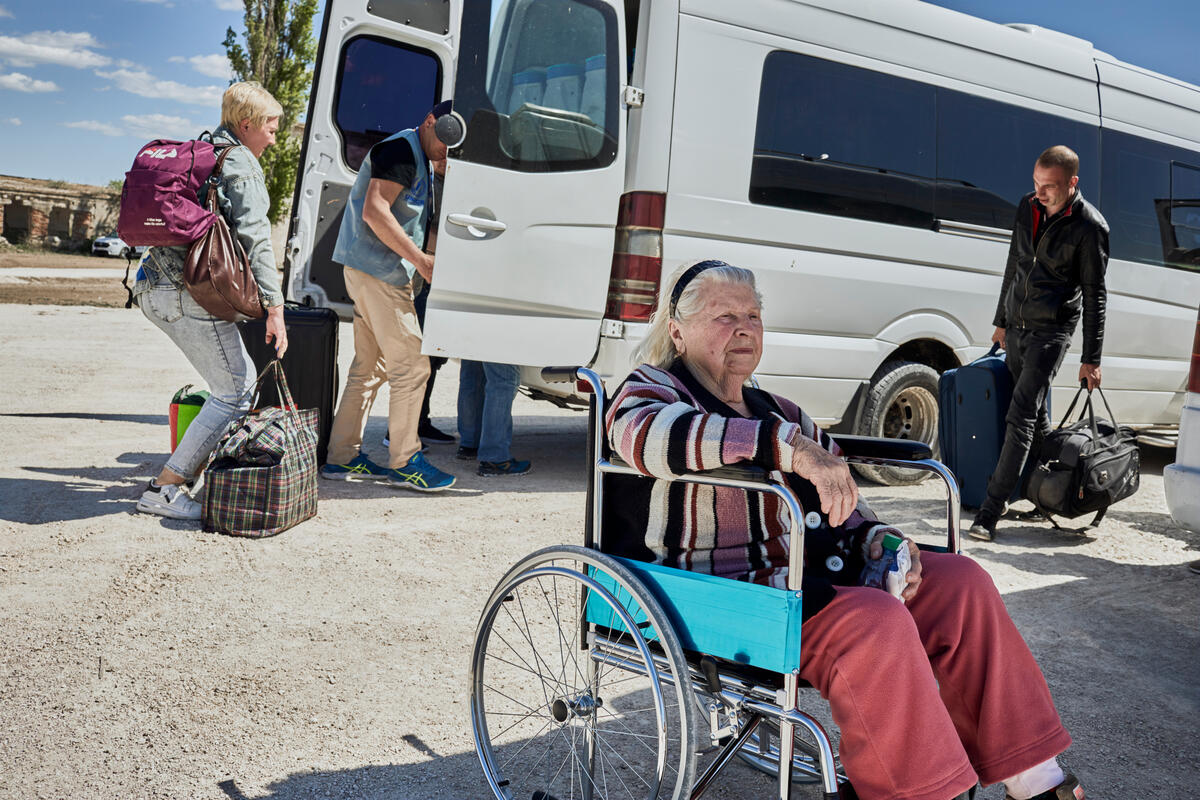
1181 480
864 158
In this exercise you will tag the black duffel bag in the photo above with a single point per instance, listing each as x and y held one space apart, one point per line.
1084 467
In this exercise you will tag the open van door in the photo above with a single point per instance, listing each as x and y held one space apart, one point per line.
525 242
380 67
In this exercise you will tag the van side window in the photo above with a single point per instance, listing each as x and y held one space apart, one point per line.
1151 199
839 140
538 84
372 100
985 155
1181 236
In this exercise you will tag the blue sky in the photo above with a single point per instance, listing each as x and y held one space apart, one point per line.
84 82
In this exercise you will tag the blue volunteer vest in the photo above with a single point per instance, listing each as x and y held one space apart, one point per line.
358 246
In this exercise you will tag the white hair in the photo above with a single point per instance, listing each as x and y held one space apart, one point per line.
657 349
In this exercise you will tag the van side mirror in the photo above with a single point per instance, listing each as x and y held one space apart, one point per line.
450 129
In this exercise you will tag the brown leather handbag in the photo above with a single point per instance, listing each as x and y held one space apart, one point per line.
217 272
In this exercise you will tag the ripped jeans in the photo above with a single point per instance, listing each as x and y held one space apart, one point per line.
214 347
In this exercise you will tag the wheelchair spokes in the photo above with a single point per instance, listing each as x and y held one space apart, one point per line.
554 717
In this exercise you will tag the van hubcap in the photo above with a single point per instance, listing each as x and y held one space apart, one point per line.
912 415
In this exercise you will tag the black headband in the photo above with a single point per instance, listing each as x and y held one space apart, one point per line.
688 276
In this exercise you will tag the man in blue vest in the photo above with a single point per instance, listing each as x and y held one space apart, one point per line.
387 215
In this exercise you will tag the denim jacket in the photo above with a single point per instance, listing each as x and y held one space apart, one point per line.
243 200
358 246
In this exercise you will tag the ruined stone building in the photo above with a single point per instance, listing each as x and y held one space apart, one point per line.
32 211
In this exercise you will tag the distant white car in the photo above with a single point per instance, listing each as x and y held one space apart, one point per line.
1181 480
112 245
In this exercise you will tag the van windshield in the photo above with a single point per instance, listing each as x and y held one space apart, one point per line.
537 84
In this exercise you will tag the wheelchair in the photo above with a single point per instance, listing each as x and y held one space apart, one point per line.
595 677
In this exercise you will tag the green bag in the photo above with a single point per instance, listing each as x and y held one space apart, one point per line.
185 405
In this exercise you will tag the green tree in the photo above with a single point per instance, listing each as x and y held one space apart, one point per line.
278 53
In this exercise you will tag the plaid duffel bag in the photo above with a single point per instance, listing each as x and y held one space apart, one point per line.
262 477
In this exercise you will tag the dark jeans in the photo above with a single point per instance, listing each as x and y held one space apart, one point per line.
435 362
1033 359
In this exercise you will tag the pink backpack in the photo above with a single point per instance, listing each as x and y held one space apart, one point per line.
159 204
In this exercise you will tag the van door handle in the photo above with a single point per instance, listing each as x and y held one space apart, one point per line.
479 223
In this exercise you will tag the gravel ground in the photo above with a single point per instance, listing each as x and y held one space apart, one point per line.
140 657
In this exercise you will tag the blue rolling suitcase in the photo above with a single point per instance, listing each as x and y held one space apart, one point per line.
972 403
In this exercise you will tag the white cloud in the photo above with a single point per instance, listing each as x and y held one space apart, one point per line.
23 83
140 126
230 5
14 121
53 47
143 84
214 66
98 127
4 12
159 126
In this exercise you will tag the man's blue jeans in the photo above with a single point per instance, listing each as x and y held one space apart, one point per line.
485 398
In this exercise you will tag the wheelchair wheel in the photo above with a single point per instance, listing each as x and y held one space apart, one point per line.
566 702
761 752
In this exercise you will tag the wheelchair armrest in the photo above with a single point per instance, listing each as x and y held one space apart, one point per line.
900 452
856 447
748 473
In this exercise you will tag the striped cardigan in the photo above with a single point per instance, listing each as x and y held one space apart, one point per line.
665 423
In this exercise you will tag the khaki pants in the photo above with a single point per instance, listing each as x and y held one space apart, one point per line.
387 344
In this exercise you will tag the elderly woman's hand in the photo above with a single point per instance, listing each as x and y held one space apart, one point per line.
830 475
913 578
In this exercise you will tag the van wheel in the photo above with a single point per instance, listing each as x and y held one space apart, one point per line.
902 403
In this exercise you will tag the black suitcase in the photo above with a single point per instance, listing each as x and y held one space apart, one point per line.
310 363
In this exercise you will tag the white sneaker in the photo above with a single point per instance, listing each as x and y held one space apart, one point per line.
171 500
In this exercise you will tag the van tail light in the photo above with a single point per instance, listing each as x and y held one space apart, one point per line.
637 257
1194 374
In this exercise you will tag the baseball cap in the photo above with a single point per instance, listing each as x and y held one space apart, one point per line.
442 109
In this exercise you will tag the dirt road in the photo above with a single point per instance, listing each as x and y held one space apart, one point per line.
142 658
29 278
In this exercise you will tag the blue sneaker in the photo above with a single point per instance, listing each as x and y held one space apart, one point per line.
359 468
420 475
491 469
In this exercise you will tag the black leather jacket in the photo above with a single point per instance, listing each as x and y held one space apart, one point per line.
1047 289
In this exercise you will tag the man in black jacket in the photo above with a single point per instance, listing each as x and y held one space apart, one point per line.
1055 273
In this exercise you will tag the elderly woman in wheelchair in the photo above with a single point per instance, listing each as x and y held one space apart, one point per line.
933 692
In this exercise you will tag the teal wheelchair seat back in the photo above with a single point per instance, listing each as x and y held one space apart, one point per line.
745 623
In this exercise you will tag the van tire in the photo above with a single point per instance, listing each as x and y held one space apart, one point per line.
901 403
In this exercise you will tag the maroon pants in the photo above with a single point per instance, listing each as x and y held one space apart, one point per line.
934 695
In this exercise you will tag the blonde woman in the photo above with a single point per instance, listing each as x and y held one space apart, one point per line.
249 120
